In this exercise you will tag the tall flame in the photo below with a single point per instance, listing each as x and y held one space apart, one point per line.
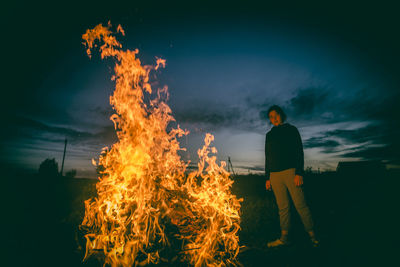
145 190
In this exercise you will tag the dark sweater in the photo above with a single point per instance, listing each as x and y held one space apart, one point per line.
283 150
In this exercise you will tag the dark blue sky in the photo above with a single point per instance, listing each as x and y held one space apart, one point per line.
332 67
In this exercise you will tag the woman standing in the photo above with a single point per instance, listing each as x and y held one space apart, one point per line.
284 168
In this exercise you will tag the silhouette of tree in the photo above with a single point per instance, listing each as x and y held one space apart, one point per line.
48 168
70 173
308 169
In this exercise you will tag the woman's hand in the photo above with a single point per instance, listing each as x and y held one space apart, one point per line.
298 180
268 185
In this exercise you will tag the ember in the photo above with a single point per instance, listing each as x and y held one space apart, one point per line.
147 201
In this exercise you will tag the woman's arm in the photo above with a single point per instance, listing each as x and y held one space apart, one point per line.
267 169
298 144
267 152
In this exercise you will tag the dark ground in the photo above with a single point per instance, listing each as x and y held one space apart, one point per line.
356 217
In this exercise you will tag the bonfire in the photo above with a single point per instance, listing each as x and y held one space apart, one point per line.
149 208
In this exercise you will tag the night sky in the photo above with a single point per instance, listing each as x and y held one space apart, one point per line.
333 67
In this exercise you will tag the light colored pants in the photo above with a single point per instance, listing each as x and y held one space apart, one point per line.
283 183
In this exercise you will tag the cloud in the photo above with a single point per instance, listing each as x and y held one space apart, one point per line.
316 104
384 153
305 104
329 145
27 131
370 133
361 125
372 142
209 116
22 127
104 112
308 101
27 141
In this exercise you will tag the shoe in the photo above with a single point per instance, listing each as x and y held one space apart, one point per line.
276 243
315 242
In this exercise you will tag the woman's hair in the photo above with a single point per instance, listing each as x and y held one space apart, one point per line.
278 110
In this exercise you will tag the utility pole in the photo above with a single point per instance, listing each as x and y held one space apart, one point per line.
230 167
62 165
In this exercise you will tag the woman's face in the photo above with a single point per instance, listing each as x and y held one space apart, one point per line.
275 118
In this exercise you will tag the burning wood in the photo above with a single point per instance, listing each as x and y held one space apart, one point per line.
147 205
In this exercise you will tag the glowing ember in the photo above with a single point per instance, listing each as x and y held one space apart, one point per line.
148 209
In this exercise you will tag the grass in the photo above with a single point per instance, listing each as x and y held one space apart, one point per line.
355 216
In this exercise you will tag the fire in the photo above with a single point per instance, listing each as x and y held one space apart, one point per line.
148 207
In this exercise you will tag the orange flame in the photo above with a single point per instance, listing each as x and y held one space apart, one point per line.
144 187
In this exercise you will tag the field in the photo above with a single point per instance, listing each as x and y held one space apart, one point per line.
356 217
